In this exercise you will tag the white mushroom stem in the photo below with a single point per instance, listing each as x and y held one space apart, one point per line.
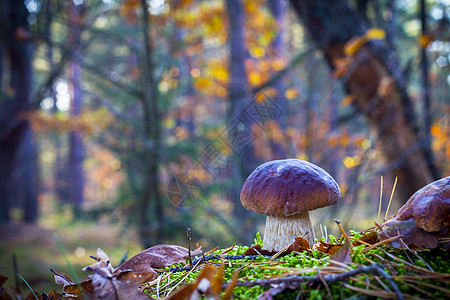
281 231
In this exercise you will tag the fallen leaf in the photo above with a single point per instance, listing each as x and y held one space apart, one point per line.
3 294
423 219
123 285
257 250
202 285
327 248
102 265
32 296
160 256
53 295
342 255
300 244
370 238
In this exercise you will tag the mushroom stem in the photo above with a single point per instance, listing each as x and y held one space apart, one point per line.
280 231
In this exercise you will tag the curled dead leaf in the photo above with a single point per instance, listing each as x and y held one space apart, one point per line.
159 256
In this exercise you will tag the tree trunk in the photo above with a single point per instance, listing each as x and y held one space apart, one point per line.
239 129
76 145
152 130
378 87
15 44
278 12
426 89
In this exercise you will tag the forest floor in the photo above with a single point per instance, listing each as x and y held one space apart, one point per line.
36 248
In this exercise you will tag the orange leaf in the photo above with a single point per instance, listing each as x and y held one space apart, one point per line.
354 45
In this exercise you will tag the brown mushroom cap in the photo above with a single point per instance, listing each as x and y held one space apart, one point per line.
289 186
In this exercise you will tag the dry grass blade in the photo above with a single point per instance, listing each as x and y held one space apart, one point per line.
231 285
429 285
377 293
330 295
227 250
409 264
381 243
390 200
360 241
211 251
385 287
372 286
184 278
430 296
279 253
381 197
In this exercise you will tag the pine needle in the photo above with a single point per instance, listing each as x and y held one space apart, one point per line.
381 197
390 200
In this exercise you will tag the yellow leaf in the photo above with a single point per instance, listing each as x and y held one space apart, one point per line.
302 156
354 44
350 162
375 34
220 72
435 131
278 64
257 52
202 83
424 40
347 100
291 93
255 78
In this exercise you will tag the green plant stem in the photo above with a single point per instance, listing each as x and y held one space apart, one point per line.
28 286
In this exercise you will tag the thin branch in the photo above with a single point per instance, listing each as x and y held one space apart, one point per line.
294 282
201 260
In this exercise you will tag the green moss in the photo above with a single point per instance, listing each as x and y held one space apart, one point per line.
263 268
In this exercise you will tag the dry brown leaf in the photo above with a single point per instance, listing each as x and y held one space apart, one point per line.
370 238
32 296
53 295
342 255
123 285
299 245
257 250
423 219
160 256
203 282
327 248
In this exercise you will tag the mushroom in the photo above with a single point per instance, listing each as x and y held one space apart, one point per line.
286 190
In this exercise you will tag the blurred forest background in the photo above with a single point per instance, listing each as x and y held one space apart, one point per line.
124 122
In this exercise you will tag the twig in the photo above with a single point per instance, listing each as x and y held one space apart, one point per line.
215 256
295 281
330 295
188 233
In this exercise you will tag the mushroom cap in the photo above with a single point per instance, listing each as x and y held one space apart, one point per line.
288 186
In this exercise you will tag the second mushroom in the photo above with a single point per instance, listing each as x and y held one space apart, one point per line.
286 190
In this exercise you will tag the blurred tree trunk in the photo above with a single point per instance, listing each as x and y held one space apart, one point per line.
426 89
60 172
27 180
15 45
239 127
376 82
278 12
76 145
152 128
